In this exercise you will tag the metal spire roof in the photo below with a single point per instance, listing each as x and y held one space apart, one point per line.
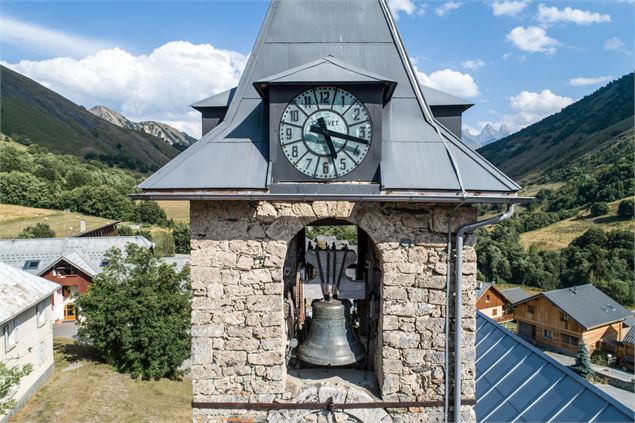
516 382
421 160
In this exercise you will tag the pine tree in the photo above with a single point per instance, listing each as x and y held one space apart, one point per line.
582 364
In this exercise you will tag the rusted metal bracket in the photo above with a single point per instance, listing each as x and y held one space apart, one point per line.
329 405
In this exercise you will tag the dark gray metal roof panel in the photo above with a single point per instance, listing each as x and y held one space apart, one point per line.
587 305
361 33
481 288
517 382
221 99
630 336
435 97
515 294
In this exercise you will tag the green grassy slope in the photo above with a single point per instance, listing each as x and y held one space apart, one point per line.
589 126
48 119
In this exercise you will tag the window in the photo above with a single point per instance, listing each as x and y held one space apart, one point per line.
494 312
42 352
10 335
530 308
567 339
487 298
41 311
564 317
547 333
31 264
104 263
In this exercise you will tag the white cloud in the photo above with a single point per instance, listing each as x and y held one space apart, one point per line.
584 81
157 86
613 44
447 7
551 15
43 40
509 8
450 81
473 64
406 6
533 39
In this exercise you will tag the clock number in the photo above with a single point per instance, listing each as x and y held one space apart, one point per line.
356 151
343 164
308 162
307 101
289 133
362 132
343 100
324 97
356 112
294 116
294 151
325 167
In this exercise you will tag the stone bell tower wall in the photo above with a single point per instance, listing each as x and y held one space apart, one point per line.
238 328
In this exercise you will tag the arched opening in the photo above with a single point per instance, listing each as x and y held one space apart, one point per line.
331 262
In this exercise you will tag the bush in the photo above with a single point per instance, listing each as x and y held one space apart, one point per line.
9 379
626 209
599 209
137 314
40 230
600 358
103 201
181 235
149 212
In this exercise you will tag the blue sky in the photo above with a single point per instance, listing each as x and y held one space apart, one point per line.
518 60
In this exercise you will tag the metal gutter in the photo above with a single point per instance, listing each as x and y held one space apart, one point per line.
458 305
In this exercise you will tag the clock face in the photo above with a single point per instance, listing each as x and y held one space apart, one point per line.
325 132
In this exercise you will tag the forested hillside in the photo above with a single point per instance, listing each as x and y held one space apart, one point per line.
31 113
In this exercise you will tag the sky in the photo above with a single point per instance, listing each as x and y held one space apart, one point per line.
517 60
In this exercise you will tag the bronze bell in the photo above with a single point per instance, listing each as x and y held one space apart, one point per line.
331 340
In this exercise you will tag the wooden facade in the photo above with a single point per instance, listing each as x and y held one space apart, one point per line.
543 323
494 305
73 280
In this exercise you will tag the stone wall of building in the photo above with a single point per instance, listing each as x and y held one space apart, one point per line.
239 341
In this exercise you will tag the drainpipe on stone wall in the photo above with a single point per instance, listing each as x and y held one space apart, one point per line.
458 306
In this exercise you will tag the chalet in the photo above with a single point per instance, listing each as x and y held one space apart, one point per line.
624 349
560 319
496 303
27 332
70 262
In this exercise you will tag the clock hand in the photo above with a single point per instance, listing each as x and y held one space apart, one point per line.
325 132
327 137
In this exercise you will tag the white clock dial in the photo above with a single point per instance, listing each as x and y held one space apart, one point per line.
325 132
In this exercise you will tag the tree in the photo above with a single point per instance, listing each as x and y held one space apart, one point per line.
599 209
181 234
582 364
40 230
151 213
137 314
626 209
9 378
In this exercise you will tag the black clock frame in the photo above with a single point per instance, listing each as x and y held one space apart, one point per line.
279 98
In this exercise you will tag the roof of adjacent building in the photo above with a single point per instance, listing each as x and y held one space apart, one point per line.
86 254
481 288
433 97
515 294
517 382
20 291
421 159
630 336
586 304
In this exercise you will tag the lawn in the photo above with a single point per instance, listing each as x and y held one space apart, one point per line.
560 234
13 219
83 389
177 210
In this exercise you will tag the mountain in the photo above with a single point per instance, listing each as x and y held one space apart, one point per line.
167 133
592 127
31 113
488 135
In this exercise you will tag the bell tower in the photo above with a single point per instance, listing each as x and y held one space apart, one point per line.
325 209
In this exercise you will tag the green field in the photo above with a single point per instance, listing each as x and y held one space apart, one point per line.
84 389
177 210
13 219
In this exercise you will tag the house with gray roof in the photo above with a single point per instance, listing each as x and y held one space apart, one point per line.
561 318
27 332
71 262
516 382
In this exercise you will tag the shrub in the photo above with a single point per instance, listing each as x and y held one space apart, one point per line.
10 378
137 314
40 230
151 213
181 234
626 209
599 209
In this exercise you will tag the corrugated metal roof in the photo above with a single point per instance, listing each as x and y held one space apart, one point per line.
20 290
587 305
515 294
516 382
85 253
630 336
419 154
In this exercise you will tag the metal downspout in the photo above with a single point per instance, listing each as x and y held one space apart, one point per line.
458 275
